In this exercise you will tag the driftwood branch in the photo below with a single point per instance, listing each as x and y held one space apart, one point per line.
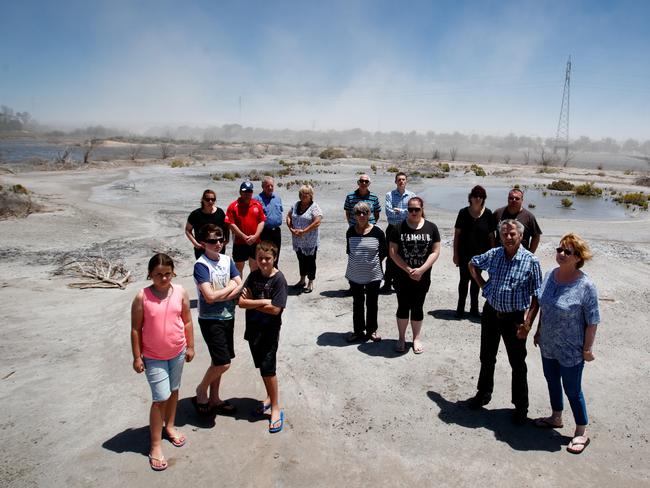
97 272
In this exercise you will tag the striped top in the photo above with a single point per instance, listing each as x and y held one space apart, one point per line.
355 197
365 254
512 281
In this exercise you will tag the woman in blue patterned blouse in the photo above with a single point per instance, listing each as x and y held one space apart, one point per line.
569 316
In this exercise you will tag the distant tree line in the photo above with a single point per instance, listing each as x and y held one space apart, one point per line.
11 121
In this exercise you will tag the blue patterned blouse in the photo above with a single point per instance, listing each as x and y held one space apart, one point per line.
566 310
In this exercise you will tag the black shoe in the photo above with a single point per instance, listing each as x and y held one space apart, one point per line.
478 400
519 417
354 337
459 314
475 313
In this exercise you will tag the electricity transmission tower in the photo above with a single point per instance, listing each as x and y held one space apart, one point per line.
562 134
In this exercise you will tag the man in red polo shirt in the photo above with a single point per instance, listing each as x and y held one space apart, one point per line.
245 216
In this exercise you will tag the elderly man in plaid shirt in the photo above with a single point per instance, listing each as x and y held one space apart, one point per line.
511 291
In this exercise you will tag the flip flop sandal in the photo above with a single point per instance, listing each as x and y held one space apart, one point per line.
374 337
201 408
546 423
178 441
162 461
277 426
572 444
224 408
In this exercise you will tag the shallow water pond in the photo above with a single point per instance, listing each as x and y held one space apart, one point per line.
453 198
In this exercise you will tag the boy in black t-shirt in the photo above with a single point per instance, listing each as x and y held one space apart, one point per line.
264 296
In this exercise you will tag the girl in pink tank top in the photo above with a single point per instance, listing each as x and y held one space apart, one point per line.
162 339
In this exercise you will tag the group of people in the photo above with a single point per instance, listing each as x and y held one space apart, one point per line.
502 243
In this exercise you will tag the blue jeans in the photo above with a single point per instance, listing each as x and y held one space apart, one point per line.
558 376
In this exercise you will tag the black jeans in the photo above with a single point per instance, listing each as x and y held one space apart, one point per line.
364 323
391 268
307 264
275 236
465 279
495 325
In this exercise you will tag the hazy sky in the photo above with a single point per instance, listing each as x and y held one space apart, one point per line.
488 67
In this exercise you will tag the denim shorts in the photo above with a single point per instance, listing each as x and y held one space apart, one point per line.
164 376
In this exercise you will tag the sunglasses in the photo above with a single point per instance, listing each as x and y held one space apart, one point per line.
360 212
414 209
364 182
210 199
567 252
215 241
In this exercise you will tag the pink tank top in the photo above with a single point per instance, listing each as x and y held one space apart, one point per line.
163 331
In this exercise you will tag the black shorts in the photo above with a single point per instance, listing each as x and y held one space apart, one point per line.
243 252
263 342
218 336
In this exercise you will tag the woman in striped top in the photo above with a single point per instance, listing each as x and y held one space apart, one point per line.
366 248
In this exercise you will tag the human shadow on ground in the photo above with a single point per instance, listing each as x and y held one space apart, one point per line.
137 439
385 348
294 291
520 438
335 293
334 339
449 314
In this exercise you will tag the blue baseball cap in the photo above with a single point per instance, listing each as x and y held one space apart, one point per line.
246 186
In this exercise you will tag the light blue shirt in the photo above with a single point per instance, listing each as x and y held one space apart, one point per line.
566 309
400 201
272 210
512 282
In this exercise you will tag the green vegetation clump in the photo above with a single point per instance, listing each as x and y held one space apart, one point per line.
19 189
373 167
588 189
304 162
300 183
393 169
547 169
640 199
285 172
331 153
531 205
478 170
230 176
178 163
445 167
566 202
255 175
561 185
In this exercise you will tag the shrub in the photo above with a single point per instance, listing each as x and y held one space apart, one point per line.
531 205
393 169
373 167
255 175
566 202
640 199
230 176
445 167
331 153
304 162
560 185
478 171
285 172
178 163
589 190
19 189
643 181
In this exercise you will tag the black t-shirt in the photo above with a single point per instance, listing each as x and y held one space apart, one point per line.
415 245
531 227
198 219
475 234
275 288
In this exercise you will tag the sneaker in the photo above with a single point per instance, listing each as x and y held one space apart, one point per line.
479 400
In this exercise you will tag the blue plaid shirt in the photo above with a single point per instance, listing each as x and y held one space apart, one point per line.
395 200
512 282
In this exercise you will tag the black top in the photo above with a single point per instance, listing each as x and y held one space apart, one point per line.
474 238
198 219
531 227
415 245
275 288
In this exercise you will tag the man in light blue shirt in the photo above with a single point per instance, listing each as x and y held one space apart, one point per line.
511 292
272 204
396 212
